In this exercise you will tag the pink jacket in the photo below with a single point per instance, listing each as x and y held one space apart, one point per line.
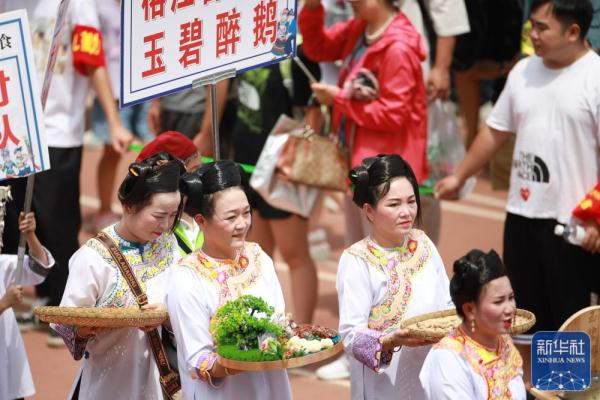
395 122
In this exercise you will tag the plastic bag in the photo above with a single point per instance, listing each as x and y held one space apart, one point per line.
445 148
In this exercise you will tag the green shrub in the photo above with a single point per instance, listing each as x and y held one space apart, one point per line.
236 323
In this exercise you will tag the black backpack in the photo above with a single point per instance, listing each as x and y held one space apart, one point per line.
495 32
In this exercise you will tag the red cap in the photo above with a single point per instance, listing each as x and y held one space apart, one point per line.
173 142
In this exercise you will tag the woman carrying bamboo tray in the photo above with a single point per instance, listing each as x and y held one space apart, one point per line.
226 268
477 360
119 363
393 274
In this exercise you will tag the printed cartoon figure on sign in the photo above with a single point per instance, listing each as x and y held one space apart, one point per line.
285 33
9 168
21 162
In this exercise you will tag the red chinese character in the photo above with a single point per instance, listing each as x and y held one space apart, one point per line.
190 42
265 22
153 9
8 133
178 4
155 54
3 89
228 32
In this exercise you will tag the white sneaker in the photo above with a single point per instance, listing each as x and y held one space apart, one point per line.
339 369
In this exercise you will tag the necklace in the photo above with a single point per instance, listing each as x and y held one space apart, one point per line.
373 37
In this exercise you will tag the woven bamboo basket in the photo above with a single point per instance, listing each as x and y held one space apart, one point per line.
421 327
98 317
282 364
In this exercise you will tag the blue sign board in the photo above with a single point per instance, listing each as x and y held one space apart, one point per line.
560 361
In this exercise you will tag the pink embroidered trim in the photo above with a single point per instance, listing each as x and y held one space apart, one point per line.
232 277
400 266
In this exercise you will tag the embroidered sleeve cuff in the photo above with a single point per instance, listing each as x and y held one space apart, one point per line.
75 344
367 349
38 267
203 368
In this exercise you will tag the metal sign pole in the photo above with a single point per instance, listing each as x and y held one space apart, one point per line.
212 80
215 121
54 47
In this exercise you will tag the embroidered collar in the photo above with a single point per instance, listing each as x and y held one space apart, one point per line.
400 265
497 370
232 277
123 243
384 254
221 269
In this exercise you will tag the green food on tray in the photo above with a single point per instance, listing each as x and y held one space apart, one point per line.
248 329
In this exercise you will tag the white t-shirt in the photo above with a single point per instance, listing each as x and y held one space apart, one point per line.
555 114
449 18
64 113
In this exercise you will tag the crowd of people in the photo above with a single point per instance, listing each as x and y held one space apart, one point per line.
202 229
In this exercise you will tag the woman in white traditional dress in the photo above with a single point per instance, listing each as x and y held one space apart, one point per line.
477 360
118 363
224 269
393 274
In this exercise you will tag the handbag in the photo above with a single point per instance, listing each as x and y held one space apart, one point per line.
169 379
313 160
278 192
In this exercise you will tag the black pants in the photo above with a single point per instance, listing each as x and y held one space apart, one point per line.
57 212
550 277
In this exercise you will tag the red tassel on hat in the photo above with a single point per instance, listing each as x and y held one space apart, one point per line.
589 208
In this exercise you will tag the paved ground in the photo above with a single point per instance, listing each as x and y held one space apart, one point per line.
474 222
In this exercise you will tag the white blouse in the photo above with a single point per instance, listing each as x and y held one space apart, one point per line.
203 284
377 289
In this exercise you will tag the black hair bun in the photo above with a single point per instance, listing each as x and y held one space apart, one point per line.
191 186
471 273
359 176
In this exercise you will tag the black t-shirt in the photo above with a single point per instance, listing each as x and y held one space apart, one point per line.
262 98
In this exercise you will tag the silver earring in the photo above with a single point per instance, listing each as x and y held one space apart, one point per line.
473 325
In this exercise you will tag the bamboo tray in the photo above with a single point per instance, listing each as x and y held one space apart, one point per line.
422 327
131 317
282 364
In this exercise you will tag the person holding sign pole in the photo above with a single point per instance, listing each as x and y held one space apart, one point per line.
15 376
80 63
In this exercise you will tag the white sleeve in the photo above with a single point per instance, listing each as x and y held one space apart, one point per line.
84 13
190 318
445 376
89 277
449 17
502 116
34 272
268 270
356 297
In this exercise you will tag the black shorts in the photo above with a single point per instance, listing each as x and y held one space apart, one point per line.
550 277
266 210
